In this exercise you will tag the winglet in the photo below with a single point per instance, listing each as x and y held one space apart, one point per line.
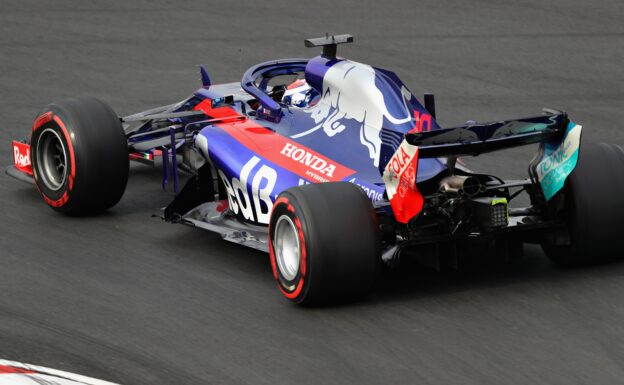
204 76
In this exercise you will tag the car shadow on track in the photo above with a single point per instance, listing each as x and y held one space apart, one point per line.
411 281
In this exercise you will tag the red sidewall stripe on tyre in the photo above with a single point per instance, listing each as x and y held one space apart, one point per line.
302 264
40 121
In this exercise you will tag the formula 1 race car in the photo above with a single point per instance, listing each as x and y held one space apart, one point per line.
334 168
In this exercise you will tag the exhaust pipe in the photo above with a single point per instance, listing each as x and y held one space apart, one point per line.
462 185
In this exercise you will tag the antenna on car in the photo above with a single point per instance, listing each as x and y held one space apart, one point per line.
205 78
329 43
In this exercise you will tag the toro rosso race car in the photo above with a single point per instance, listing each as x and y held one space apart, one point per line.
334 168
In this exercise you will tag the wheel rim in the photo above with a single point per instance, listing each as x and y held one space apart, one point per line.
287 251
51 159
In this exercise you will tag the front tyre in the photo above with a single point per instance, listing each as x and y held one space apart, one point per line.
324 243
79 156
591 205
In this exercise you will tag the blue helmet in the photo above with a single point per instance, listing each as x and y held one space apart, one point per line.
300 94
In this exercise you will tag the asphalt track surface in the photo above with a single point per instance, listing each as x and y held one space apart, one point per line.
127 298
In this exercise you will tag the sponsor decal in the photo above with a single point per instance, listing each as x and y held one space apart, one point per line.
251 194
422 122
556 159
372 194
254 205
351 97
559 161
308 159
400 179
370 191
276 148
21 157
140 155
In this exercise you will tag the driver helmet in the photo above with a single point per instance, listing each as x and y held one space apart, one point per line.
299 94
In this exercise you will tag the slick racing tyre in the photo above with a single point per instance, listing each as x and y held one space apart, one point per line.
324 243
79 156
591 205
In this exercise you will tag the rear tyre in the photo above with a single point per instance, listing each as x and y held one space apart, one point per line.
79 156
324 243
591 204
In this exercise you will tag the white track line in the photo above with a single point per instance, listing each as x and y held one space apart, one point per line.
57 373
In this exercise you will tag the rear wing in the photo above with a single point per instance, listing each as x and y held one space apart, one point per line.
556 158
475 139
